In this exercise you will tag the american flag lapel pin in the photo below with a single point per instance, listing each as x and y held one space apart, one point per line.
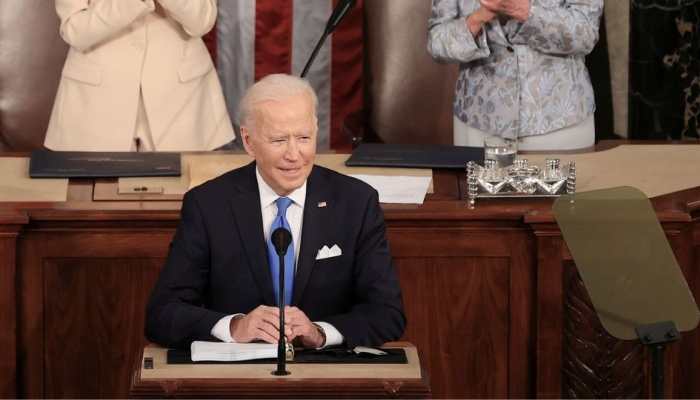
322 204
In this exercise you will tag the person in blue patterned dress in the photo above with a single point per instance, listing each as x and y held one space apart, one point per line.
522 71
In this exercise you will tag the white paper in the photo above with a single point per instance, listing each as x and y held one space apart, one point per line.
398 189
220 351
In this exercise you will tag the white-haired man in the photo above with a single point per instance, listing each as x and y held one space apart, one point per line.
219 281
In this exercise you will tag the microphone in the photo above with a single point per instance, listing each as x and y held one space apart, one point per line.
338 14
281 238
340 11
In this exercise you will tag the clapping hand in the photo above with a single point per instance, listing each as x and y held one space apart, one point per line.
478 18
516 9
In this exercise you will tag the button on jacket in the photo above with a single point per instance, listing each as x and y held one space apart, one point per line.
122 51
521 78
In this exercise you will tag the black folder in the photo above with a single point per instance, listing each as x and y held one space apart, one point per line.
414 156
78 164
338 355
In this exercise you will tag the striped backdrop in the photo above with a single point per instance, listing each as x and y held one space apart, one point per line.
254 38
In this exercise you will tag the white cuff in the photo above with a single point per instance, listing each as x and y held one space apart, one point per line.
333 337
222 329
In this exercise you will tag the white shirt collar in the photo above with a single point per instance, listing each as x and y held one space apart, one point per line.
268 196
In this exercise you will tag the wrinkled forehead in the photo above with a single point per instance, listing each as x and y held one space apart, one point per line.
293 114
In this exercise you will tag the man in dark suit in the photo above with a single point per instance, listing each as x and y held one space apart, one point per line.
217 283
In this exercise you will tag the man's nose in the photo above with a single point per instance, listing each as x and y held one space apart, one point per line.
292 152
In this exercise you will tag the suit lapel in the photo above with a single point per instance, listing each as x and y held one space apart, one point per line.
313 231
245 205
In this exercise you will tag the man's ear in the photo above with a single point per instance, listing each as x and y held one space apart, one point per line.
245 137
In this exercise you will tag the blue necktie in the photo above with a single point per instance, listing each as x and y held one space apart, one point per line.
281 222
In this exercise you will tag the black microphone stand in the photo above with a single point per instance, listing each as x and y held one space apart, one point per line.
338 14
281 342
314 54
281 238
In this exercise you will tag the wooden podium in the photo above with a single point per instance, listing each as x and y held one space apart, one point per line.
517 320
156 378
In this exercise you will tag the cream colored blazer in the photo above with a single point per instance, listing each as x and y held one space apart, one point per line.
120 49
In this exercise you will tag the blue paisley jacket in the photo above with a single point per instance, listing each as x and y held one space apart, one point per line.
521 78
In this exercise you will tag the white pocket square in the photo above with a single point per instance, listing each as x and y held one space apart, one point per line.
325 252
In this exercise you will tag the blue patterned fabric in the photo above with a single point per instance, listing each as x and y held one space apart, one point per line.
519 78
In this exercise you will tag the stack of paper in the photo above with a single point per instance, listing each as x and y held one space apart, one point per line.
398 189
219 351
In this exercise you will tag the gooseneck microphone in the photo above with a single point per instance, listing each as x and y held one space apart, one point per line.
340 11
281 238
338 14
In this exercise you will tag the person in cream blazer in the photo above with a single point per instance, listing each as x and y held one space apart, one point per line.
138 77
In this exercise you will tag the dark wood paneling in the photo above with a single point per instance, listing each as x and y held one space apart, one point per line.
304 388
10 224
82 302
8 320
458 316
595 364
521 349
689 257
549 311
468 293
453 240
94 313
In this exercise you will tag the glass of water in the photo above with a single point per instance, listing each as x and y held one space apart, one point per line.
501 150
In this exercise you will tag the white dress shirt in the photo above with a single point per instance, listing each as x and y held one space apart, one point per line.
295 217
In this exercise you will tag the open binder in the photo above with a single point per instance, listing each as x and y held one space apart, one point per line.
332 355
87 164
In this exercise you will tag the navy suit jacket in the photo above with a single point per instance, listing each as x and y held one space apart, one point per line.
217 264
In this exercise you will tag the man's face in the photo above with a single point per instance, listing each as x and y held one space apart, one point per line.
283 142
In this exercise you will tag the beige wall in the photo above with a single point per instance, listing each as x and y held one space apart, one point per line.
617 24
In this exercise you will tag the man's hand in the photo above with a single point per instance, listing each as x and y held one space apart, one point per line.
260 324
302 329
516 9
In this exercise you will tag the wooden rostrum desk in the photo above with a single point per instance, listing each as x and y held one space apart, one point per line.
493 300
312 380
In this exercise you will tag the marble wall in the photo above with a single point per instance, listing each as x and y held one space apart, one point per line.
664 100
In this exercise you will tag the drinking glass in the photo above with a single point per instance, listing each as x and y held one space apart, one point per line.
501 150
